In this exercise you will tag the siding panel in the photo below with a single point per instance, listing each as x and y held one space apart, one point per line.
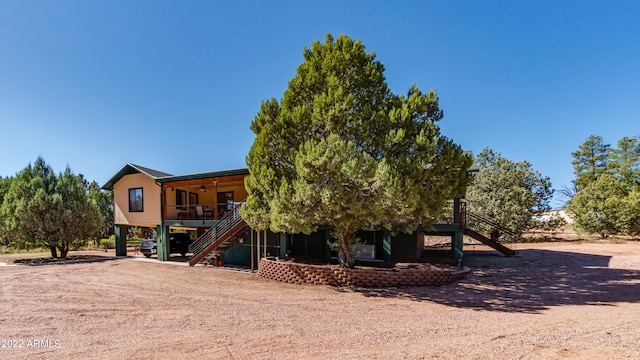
151 200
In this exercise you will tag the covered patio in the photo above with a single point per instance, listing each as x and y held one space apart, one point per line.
201 199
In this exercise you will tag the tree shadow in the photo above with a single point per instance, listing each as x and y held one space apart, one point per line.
533 281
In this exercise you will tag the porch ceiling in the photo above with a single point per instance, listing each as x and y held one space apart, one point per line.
208 182
216 175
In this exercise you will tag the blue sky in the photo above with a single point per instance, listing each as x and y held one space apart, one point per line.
174 85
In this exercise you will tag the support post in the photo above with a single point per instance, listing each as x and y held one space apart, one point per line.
456 247
419 244
283 246
120 231
386 245
264 233
163 244
251 247
327 248
456 211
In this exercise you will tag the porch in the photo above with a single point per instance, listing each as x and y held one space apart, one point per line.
197 211
201 198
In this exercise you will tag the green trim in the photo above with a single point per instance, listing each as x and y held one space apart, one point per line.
283 245
386 246
205 175
120 231
456 247
162 177
129 169
163 245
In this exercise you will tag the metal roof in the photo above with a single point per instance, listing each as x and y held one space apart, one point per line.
162 177
206 175
474 166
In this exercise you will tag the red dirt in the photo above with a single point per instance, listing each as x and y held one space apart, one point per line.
552 301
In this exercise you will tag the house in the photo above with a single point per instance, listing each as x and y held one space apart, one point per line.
162 203
206 206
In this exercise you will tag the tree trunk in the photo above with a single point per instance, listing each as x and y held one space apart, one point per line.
54 251
495 234
344 254
64 249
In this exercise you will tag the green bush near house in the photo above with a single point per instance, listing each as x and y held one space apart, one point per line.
107 243
79 244
134 242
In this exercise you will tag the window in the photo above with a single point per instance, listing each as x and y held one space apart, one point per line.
193 198
181 199
135 200
223 202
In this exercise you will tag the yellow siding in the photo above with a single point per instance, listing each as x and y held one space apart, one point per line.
239 192
206 197
150 216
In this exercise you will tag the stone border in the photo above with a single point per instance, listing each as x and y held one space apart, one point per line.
296 273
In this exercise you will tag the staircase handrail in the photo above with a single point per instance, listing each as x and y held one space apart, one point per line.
226 223
490 222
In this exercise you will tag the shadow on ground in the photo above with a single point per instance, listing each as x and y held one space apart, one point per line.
530 282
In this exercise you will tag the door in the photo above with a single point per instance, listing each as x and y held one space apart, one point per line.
222 202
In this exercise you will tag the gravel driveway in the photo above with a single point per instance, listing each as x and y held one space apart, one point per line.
552 301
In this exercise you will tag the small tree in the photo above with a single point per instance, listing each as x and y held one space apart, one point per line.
5 182
339 149
48 209
630 216
104 201
509 193
80 216
600 207
606 202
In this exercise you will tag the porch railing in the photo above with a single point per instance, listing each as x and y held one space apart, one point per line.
226 224
210 211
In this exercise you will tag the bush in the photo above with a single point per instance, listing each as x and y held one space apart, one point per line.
107 244
78 244
134 242
4 249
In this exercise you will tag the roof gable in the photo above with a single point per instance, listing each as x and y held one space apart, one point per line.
133 169
150 172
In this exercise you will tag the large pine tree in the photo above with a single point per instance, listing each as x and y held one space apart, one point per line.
590 161
339 149
625 160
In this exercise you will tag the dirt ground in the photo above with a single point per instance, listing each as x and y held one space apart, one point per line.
577 300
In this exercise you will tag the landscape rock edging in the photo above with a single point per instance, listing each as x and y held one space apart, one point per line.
296 273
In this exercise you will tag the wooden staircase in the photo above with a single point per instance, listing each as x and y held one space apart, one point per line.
489 241
219 238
